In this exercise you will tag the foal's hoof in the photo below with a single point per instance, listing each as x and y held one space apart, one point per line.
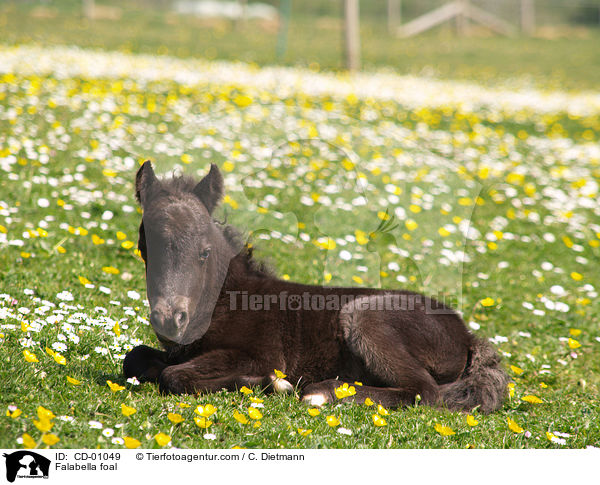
317 399
281 385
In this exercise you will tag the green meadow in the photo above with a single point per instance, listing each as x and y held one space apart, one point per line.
491 187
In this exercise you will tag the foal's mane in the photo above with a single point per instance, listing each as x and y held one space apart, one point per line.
179 185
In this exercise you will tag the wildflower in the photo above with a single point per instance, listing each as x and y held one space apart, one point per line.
175 418
110 270
511 389
531 399
240 418
162 439
486 302
314 412
13 412
207 411
209 436
256 400
108 432
345 391
444 430
411 225
73 381
202 422
95 424
84 281
30 356
59 359
471 421
44 425
50 439
332 421
114 387
127 410
381 410
279 374
555 439
304 432
513 426
516 370
573 344
368 402
245 390
131 443
44 413
254 413
379 421
65 296
28 441
576 276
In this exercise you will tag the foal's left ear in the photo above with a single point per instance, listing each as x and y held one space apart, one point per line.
210 189
144 179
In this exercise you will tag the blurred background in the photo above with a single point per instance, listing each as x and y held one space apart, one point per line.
546 43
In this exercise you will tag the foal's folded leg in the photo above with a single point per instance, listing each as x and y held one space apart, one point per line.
144 363
211 372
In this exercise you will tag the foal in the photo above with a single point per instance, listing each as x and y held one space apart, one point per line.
225 321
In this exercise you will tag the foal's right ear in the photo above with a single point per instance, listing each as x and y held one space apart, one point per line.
144 179
210 189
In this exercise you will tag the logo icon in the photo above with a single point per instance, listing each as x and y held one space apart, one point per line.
26 464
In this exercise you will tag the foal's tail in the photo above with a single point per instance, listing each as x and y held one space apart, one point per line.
483 383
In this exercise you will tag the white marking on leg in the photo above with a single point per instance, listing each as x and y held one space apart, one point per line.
315 399
282 386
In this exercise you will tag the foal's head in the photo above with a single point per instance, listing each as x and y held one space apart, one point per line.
185 252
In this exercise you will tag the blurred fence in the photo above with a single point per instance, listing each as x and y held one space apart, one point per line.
547 12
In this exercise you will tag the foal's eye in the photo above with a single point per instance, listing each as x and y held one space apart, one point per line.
205 253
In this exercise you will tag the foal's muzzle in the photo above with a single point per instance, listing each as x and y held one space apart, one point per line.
170 318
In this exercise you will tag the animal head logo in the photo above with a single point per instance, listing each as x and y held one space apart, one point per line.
26 464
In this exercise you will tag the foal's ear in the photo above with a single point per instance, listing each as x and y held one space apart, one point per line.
144 179
210 189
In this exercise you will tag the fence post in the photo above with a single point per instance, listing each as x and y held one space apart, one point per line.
528 16
88 9
285 13
394 15
351 35
461 18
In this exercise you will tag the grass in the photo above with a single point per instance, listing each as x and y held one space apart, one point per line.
567 59
69 154
526 177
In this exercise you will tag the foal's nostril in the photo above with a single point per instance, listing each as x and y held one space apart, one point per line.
181 319
156 318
